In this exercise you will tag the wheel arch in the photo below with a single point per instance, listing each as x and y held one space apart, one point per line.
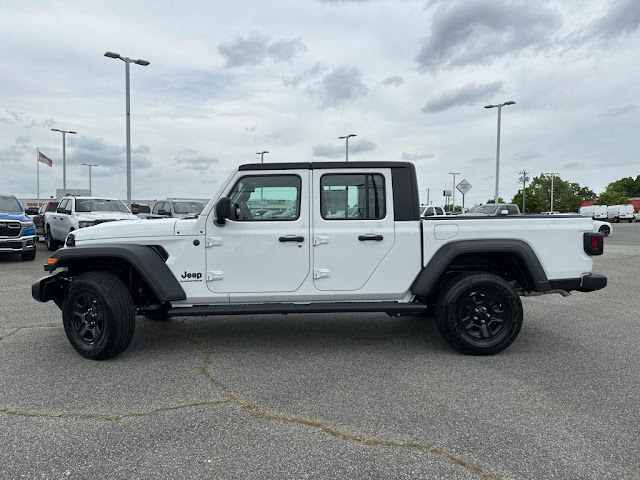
510 259
142 268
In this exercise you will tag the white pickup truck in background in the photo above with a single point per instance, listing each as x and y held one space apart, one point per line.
348 238
73 213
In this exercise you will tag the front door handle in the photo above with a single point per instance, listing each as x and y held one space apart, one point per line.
292 238
365 238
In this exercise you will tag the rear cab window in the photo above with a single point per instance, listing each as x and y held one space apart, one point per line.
352 196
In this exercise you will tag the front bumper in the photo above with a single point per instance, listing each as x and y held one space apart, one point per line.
17 244
50 287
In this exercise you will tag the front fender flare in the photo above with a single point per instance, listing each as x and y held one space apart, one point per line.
143 258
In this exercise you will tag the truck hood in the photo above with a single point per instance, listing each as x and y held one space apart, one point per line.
21 217
127 229
97 216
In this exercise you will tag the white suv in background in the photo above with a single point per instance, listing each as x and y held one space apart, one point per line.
74 213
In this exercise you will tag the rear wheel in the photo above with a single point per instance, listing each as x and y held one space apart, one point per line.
604 230
479 314
98 315
52 245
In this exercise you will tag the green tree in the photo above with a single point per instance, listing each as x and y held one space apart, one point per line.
567 196
618 192
500 200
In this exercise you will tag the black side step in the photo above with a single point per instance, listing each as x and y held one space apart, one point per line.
262 308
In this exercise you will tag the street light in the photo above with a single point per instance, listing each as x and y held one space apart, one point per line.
64 156
453 201
90 165
499 107
346 138
127 61
552 175
262 155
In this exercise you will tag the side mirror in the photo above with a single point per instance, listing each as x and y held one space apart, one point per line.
62 210
163 212
135 209
223 210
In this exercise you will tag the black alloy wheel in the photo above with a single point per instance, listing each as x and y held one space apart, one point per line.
88 318
479 313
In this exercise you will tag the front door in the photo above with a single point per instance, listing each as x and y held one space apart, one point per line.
264 247
353 226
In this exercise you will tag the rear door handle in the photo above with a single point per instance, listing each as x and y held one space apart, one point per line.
292 238
365 238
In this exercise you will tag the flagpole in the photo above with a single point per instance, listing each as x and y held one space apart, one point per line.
38 174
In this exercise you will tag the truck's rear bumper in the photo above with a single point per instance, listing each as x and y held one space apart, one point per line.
586 283
17 244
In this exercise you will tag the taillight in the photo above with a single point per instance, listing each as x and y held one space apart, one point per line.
593 243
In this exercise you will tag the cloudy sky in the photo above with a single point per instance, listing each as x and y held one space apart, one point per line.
228 79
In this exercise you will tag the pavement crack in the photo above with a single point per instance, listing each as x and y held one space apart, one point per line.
9 334
111 417
334 432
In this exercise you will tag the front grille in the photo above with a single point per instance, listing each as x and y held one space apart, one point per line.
13 245
9 228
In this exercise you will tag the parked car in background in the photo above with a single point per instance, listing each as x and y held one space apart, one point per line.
140 210
597 212
494 209
637 216
604 228
38 220
17 231
620 212
175 208
431 210
74 213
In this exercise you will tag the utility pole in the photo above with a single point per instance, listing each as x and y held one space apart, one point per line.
524 179
552 175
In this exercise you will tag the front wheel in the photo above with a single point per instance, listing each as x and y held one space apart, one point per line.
479 314
98 315
26 256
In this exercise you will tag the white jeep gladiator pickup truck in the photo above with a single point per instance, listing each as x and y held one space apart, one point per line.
347 238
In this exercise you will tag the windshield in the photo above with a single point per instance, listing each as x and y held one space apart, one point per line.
489 208
100 205
188 207
10 205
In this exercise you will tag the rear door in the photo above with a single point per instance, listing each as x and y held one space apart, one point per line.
353 226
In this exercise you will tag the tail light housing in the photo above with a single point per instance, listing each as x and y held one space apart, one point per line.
593 243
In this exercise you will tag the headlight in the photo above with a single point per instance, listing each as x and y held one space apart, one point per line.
85 224
27 224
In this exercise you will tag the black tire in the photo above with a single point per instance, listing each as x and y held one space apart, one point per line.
52 245
479 314
604 230
26 256
98 315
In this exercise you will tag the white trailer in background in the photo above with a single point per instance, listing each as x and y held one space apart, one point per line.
620 212
597 212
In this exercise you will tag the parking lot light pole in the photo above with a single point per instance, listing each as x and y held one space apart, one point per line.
346 138
64 156
499 107
552 175
127 61
90 165
262 155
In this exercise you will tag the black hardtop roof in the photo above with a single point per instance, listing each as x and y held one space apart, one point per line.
319 165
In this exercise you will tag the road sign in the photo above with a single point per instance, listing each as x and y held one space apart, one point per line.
446 193
463 187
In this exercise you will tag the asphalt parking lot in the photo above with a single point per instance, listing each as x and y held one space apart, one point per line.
327 396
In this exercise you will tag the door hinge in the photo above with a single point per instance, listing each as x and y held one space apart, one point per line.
214 242
321 273
214 275
320 240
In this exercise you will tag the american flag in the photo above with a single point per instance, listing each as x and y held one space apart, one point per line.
42 158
